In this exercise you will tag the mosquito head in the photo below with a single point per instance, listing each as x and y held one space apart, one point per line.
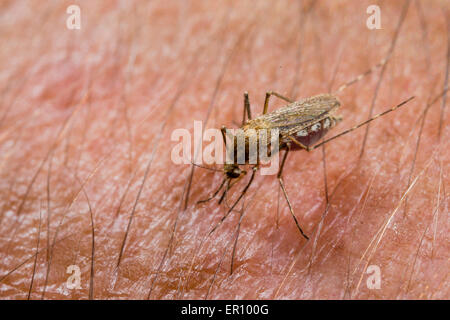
233 171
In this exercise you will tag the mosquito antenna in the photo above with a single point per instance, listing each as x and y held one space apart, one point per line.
236 202
203 167
364 123
362 75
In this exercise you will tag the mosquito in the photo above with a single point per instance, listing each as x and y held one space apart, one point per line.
301 125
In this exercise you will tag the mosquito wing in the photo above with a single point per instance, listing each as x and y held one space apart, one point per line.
297 115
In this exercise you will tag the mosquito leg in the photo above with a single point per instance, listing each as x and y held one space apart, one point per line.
280 179
230 185
236 180
301 145
224 196
272 93
225 192
246 108
215 193
254 169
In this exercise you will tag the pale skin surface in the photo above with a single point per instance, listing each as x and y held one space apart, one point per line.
85 123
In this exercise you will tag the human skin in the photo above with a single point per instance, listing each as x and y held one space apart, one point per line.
87 179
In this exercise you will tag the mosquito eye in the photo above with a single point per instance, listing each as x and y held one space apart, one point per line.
235 173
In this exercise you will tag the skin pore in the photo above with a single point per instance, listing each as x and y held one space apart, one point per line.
87 180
